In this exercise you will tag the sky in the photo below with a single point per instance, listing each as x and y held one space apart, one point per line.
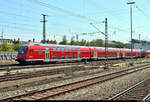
21 19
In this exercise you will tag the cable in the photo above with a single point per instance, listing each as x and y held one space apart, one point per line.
143 12
116 28
29 25
20 28
61 10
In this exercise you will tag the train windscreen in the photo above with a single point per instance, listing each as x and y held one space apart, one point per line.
22 51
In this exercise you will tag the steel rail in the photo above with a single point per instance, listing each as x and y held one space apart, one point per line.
91 82
127 90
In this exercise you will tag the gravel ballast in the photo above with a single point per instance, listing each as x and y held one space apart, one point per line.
82 94
105 90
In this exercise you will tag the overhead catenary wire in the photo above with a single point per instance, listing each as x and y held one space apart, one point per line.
20 28
61 10
20 24
147 16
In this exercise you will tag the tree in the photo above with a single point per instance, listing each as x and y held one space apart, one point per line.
72 42
64 40
5 47
98 42
16 47
82 42
119 44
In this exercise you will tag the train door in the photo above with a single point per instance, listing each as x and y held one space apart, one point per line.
136 54
123 54
95 54
118 54
78 52
47 54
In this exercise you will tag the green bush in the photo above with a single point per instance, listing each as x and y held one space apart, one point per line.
9 48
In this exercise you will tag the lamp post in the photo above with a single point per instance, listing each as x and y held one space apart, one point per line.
131 3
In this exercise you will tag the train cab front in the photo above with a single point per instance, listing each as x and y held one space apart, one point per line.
21 57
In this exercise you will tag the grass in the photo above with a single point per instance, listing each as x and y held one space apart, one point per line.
147 58
67 72
8 69
9 62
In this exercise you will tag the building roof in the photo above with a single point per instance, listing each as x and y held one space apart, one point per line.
139 41
6 39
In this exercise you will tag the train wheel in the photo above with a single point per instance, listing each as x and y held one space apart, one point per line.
21 63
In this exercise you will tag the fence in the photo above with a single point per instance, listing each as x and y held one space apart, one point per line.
8 56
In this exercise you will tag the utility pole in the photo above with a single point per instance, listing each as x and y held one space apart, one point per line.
106 41
106 44
76 37
2 34
131 3
140 41
44 28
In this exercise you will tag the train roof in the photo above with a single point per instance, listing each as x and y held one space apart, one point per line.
40 44
57 45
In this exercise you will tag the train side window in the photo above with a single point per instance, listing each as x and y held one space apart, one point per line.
40 52
54 49
66 57
73 49
62 49
54 57
83 52
31 51
69 49
66 49
70 57
58 57
63 57
73 56
58 49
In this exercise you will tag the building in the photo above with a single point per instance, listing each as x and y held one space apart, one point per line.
140 44
12 41
9 41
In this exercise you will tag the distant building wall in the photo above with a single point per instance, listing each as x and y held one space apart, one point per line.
9 41
141 45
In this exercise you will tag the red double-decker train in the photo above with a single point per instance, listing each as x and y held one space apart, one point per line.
36 52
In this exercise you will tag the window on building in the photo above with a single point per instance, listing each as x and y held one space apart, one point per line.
40 52
70 57
73 56
66 57
31 51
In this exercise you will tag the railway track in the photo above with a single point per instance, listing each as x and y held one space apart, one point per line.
17 66
66 88
140 91
49 71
